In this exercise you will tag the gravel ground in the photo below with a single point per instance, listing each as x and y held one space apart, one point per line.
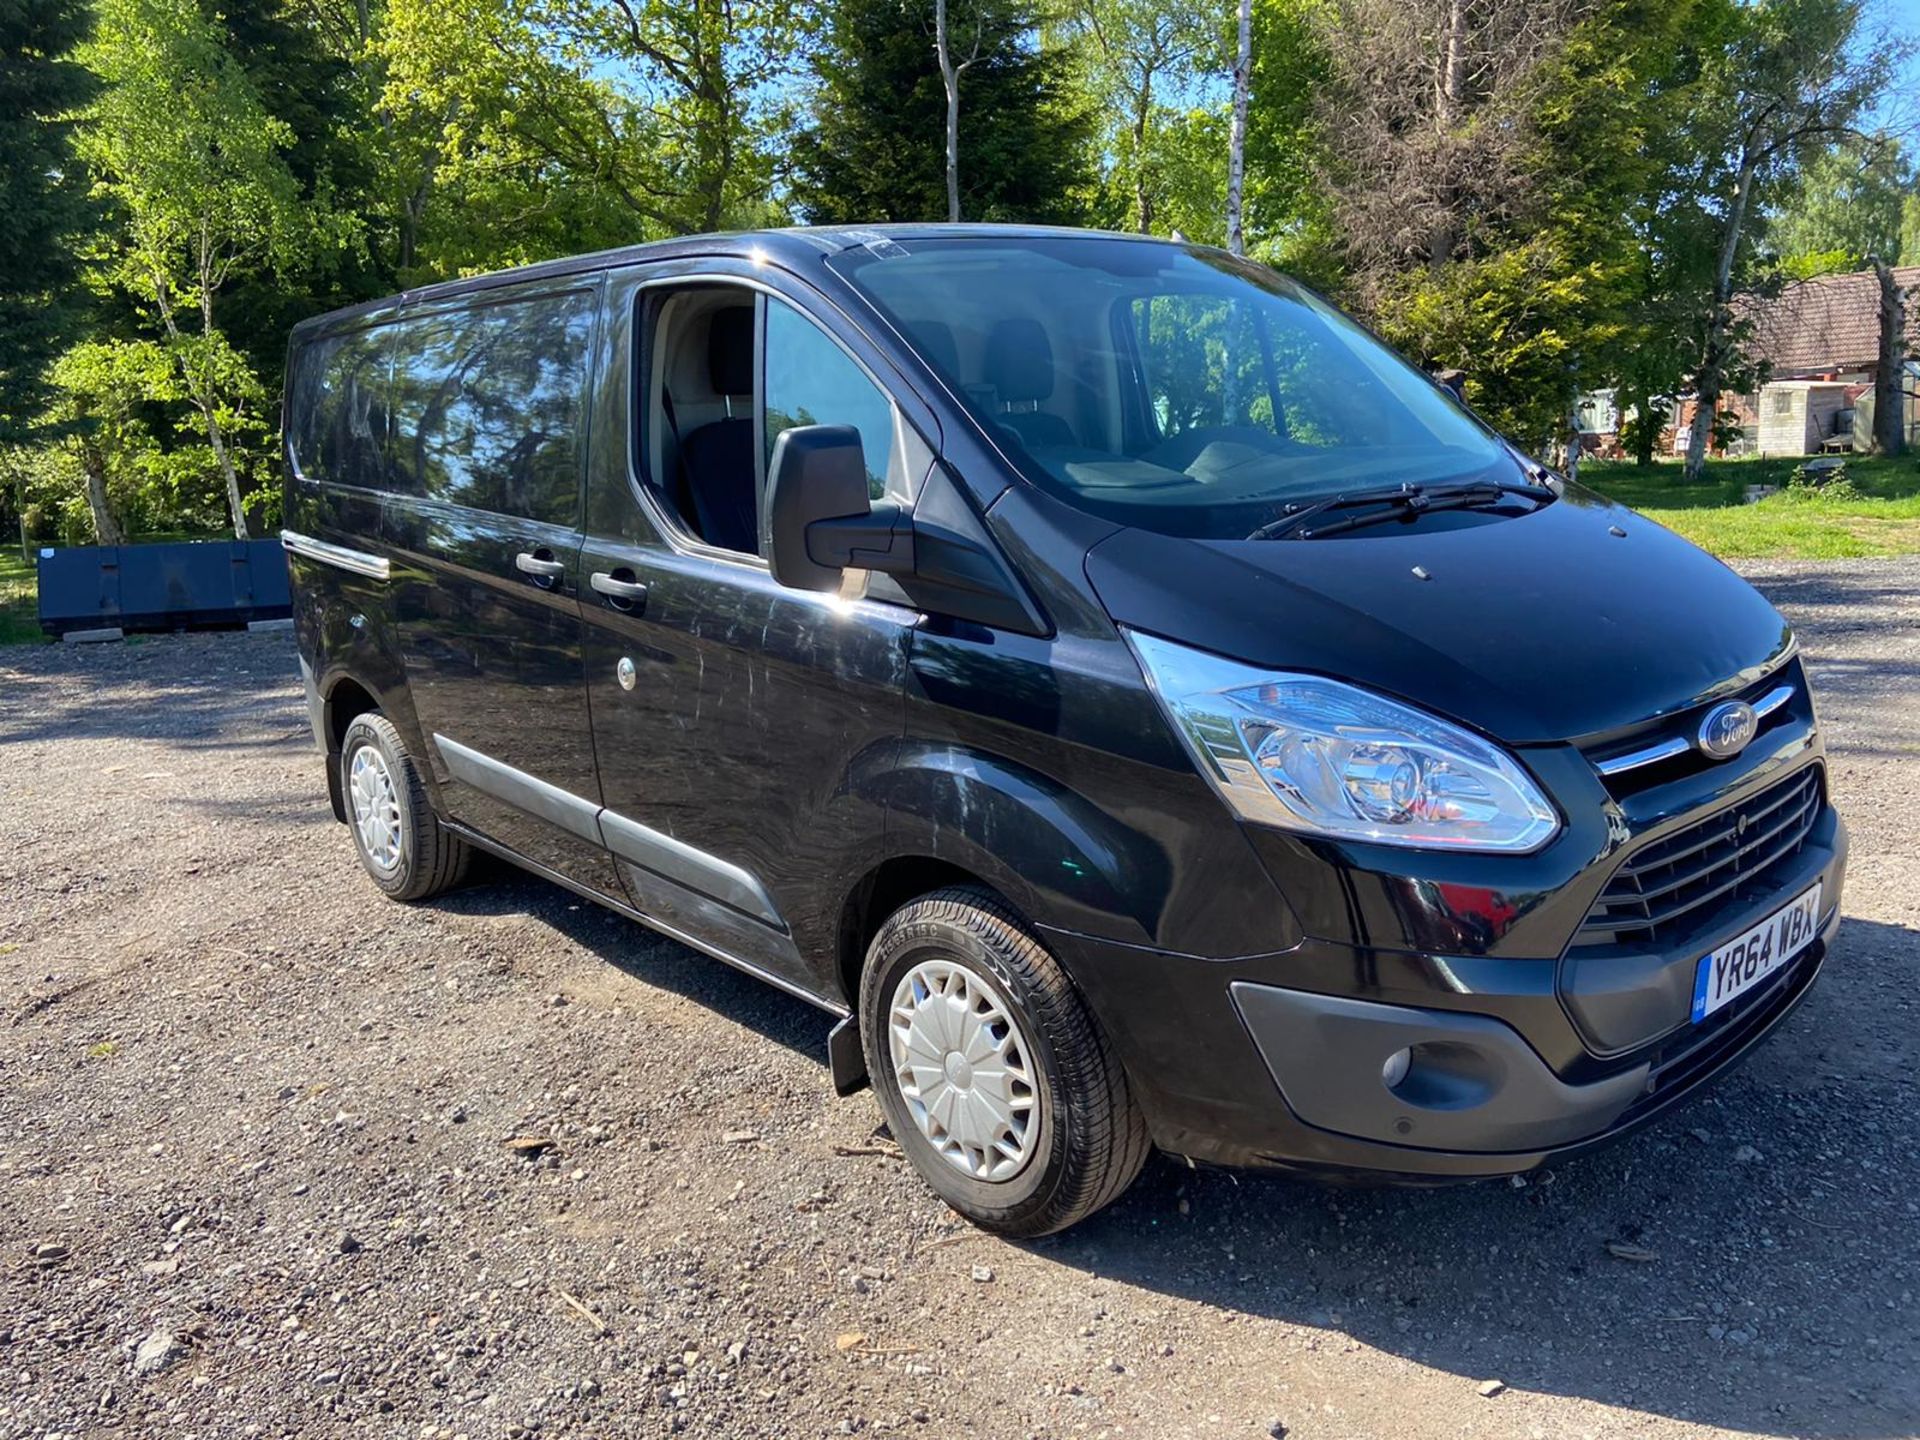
255 1176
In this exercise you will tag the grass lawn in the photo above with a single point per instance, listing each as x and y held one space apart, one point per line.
1880 517
19 598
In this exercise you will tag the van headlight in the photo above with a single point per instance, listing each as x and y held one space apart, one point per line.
1325 758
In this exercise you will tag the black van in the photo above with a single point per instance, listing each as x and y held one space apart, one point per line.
1142 710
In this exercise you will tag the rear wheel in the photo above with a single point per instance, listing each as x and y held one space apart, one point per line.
402 843
998 1084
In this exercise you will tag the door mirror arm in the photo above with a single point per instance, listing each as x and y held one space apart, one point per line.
881 539
820 522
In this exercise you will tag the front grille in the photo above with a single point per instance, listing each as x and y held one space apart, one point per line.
1664 750
1669 888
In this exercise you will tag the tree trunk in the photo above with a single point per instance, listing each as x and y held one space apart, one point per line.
1713 351
1889 376
1237 137
1142 197
949 77
1453 68
200 391
234 504
1449 90
106 525
1646 430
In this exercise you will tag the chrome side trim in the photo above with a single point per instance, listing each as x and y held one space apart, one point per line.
374 567
633 842
525 792
1634 759
684 865
1678 745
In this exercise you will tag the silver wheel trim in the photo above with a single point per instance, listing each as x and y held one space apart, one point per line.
375 806
965 1070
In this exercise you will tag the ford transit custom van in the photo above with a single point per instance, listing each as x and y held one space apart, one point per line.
1140 710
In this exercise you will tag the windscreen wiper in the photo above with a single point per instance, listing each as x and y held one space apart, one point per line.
1409 499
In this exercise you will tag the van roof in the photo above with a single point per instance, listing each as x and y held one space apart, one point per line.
795 244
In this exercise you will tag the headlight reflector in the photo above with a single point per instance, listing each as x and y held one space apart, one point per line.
1327 758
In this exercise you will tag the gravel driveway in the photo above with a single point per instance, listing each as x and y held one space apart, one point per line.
255 1176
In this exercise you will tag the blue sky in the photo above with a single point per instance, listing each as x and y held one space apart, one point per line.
1901 105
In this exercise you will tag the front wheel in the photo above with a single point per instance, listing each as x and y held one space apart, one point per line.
402 843
998 1084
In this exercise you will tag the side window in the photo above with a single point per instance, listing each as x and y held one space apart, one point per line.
338 408
812 381
489 405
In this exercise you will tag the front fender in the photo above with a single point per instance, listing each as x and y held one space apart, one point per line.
1059 858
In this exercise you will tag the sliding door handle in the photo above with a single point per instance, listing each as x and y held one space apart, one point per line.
539 566
621 588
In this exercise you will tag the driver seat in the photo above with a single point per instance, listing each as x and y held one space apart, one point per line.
1019 367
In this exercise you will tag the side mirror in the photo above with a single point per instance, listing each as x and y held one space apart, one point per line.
819 520
1453 381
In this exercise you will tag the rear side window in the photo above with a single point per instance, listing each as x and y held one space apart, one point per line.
489 405
337 413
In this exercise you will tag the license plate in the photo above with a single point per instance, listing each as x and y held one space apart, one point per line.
1743 962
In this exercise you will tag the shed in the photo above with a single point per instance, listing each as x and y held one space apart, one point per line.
1799 417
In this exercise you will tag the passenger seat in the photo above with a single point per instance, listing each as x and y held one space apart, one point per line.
719 457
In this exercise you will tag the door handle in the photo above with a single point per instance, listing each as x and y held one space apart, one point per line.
621 591
536 566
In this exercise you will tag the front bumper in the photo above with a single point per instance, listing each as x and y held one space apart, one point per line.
1275 1061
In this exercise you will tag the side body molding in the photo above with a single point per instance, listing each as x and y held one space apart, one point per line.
522 791
696 869
633 842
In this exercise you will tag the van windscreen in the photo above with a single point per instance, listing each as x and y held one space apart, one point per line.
1167 387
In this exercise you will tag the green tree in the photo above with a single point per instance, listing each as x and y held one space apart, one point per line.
874 149
1285 206
542 127
43 195
1141 59
1489 184
102 392
196 166
1846 204
1787 81
301 76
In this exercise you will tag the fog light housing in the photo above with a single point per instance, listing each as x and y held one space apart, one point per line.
1396 1067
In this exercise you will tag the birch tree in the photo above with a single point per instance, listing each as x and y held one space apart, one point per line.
951 70
1237 134
1142 55
183 146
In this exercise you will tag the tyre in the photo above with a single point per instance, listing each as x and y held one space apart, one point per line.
402 843
998 1084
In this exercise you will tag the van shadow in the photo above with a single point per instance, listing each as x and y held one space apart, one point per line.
1767 1238
498 888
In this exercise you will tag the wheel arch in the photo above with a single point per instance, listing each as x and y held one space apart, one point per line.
877 894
